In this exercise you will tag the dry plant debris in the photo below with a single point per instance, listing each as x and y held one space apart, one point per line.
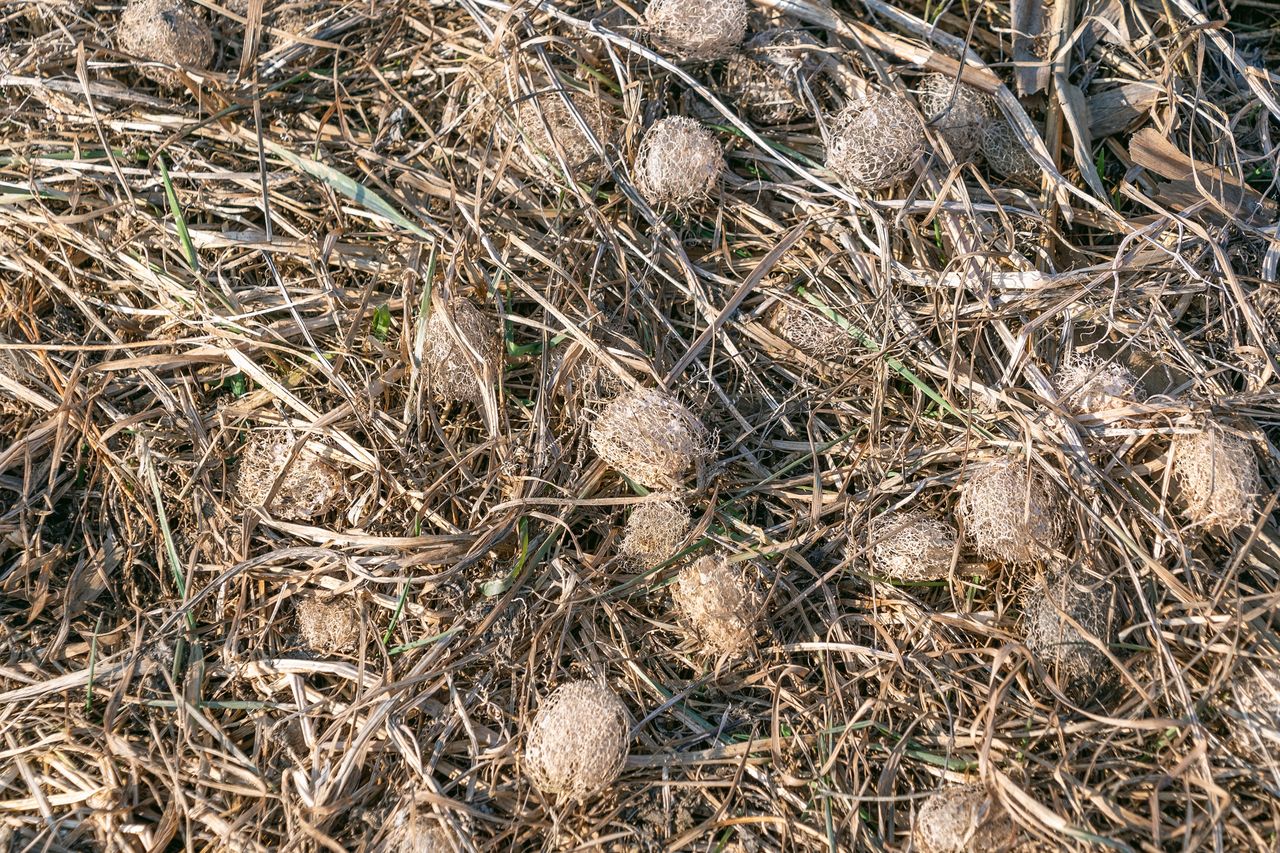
1218 477
692 30
328 627
1089 385
721 604
579 740
414 830
1063 617
305 485
655 531
165 31
650 437
964 818
678 164
463 349
255 257
1254 722
1011 513
960 113
911 546
767 80
875 142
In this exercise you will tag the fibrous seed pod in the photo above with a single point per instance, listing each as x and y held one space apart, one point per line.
807 330
1088 384
578 742
1218 477
911 546
1011 513
655 531
547 127
720 603
766 81
328 627
964 818
1005 154
694 30
960 113
679 163
307 489
650 437
450 358
874 143
167 31
1061 619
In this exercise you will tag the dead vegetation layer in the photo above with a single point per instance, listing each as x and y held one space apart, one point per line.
407 241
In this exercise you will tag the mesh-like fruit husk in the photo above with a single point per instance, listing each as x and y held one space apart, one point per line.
451 369
650 437
1088 384
1218 477
693 30
1058 616
911 546
168 31
808 331
328 627
545 125
1011 513
964 818
1255 720
655 532
415 831
960 113
874 143
766 80
1005 154
720 603
679 163
578 741
308 488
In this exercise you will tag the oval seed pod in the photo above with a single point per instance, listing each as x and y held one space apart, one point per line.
579 740
679 163
450 366
654 532
168 31
964 818
1010 512
307 489
960 113
720 602
876 142
650 437
912 546
1005 153
692 30
1218 477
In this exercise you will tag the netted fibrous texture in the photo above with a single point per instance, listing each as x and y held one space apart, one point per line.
578 742
655 532
650 437
766 80
1218 478
678 164
960 113
413 830
168 31
548 130
1059 618
808 331
452 349
1255 719
1011 513
720 603
1088 385
328 627
911 546
1005 154
874 143
964 818
696 29
307 489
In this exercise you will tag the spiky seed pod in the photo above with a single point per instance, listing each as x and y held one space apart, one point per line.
578 742
960 113
964 818
720 603
694 30
1059 616
1005 153
307 489
1255 720
650 437
167 31
679 163
808 331
1011 513
874 143
911 546
1218 476
1088 384
546 124
328 627
767 79
655 531
450 366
